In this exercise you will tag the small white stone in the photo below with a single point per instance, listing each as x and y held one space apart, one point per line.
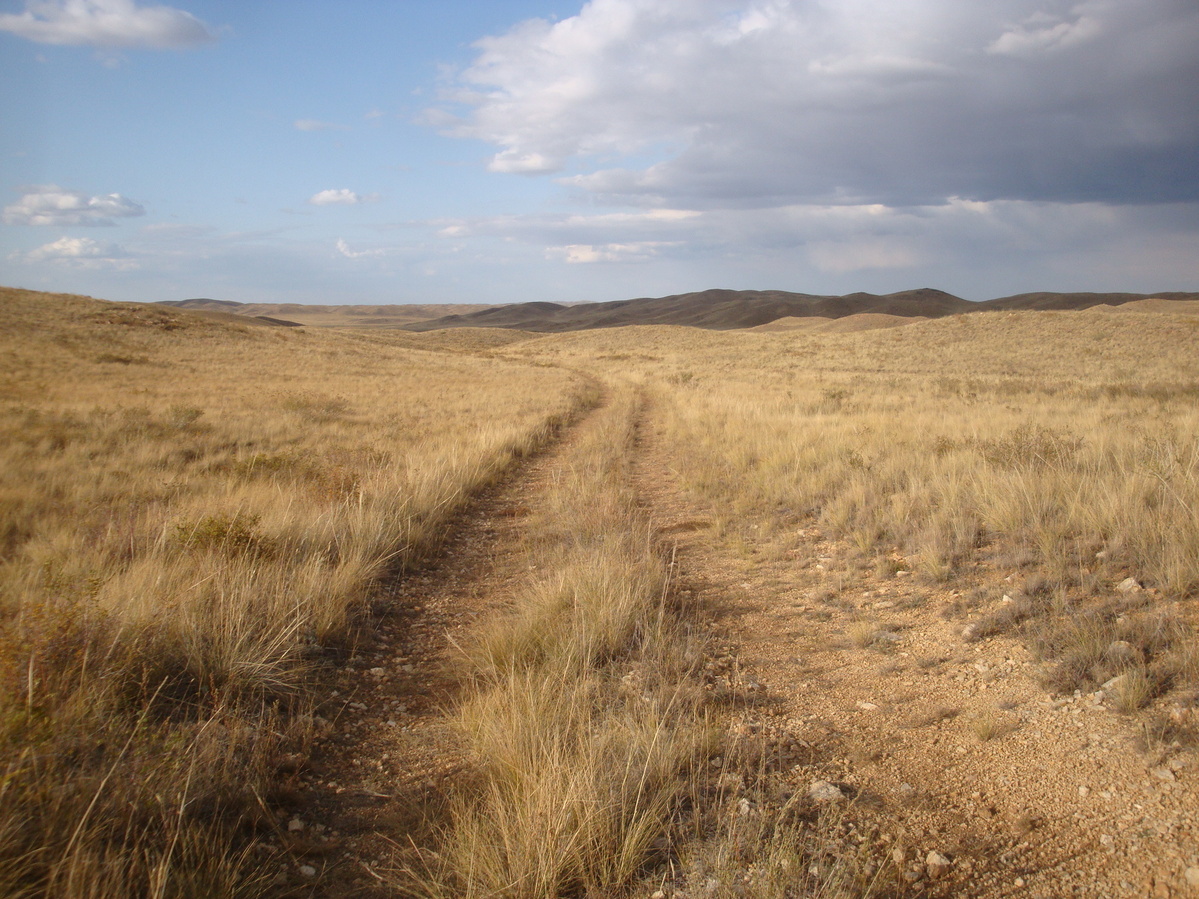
378 672
307 871
936 863
1128 585
295 825
823 791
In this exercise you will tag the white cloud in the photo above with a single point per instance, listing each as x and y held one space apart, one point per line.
340 197
344 249
105 23
612 252
80 252
513 162
1041 34
53 205
761 103
315 125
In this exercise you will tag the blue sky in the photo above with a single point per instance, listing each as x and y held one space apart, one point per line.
411 151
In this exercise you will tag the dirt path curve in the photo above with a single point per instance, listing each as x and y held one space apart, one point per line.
378 779
978 782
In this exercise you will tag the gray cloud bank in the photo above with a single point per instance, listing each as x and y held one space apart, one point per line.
907 103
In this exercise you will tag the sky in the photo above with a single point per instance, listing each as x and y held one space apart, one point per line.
500 151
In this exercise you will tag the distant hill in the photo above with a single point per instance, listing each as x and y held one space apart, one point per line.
328 316
719 310
1075 301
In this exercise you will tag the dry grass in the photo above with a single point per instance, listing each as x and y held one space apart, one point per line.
1057 445
584 713
192 515
787 852
193 512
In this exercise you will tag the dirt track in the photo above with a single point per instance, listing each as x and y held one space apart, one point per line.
944 750
941 746
378 780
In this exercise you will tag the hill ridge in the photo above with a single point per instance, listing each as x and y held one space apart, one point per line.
717 309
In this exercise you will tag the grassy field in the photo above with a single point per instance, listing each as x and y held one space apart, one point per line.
192 514
1061 446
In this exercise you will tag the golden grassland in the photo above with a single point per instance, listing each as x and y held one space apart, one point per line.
192 514
1063 447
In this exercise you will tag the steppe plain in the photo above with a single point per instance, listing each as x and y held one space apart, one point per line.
874 605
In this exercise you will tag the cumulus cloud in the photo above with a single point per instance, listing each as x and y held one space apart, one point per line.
612 252
80 252
344 249
105 23
960 245
53 205
340 197
764 103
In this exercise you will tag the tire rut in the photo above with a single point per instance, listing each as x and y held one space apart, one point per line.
387 754
944 750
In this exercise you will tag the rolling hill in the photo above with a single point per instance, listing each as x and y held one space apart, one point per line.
725 310
717 310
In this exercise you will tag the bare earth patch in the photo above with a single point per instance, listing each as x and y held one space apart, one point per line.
972 779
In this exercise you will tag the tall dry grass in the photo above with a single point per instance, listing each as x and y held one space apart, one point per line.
583 713
192 516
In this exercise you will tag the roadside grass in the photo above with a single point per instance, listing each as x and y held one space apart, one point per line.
600 762
192 516
584 708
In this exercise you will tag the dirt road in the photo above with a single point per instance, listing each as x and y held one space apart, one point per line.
964 775
976 780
